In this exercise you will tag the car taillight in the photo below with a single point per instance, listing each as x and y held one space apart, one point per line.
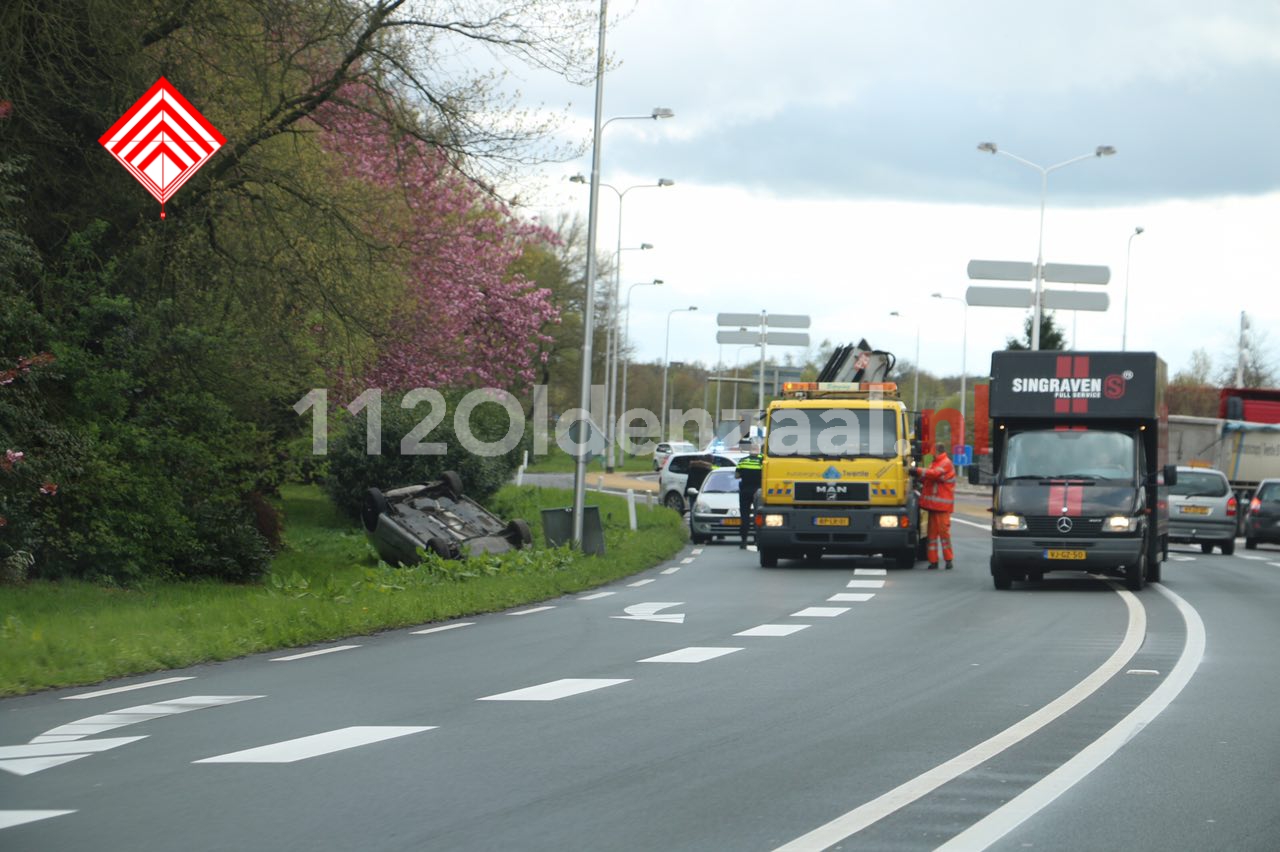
1254 505
1231 507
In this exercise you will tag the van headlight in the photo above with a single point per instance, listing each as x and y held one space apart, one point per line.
1011 523
1119 524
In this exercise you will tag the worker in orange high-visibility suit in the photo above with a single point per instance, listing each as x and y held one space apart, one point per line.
938 498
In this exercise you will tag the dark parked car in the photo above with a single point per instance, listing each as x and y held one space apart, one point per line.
436 517
1262 524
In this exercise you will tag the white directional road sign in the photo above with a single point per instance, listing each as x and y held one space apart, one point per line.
788 338
1069 300
1001 270
765 318
998 297
738 336
1075 273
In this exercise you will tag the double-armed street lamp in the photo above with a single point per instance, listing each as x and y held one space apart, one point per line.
1124 329
588 302
964 345
1099 152
666 360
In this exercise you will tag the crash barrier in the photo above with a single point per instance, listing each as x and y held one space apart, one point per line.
557 527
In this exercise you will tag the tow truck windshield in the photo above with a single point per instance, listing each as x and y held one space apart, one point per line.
833 433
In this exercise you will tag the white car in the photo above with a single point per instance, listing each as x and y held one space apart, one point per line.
667 449
674 478
715 507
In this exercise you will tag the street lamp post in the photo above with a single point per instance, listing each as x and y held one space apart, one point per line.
666 353
588 306
1100 151
626 334
1124 329
737 364
964 347
915 395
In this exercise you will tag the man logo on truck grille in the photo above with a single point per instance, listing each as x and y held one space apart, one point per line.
1064 525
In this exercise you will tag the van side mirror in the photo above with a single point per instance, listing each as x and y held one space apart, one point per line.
1171 474
917 449
975 475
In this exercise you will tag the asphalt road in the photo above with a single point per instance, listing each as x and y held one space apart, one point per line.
705 704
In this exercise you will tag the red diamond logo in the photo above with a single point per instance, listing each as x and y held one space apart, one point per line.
162 140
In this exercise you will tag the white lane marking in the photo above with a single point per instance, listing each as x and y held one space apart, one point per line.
854 597
34 757
690 655
304 748
306 654
649 612
1254 558
773 630
820 612
1277 564
864 584
531 611
697 551
956 520
597 596
442 628
8 819
848 824
1180 558
1143 671
869 572
113 691
556 689
686 560
752 548
639 583
103 722
673 569
1039 795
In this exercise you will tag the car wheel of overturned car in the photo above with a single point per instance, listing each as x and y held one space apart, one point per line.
375 503
673 501
519 534
440 548
453 483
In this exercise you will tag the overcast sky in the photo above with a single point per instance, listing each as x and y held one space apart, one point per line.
825 159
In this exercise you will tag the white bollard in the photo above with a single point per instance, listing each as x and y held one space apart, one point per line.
631 508
520 475
600 482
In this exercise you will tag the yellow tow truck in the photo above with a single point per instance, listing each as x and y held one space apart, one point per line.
836 474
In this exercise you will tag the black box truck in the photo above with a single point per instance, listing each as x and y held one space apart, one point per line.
1079 449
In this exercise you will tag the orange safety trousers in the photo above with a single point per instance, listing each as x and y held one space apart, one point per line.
940 536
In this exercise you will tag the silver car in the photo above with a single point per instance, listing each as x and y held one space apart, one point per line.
674 478
666 449
715 507
1202 509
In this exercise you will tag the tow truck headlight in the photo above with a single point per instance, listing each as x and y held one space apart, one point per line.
889 521
1011 522
1119 524
773 520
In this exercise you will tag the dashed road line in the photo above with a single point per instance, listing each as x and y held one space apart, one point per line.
531 611
690 655
851 597
556 689
442 628
8 819
1254 558
639 583
316 745
596 596
864 584
1180 558
673 569
306 654
686 560
820 612
773 630
869 572
114 691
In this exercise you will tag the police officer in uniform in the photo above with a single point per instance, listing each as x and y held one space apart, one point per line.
749 473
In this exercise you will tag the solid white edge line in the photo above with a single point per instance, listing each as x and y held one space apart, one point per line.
118 689
1041 794
306 654
846 825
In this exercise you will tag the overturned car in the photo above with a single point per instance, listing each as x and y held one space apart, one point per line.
436 517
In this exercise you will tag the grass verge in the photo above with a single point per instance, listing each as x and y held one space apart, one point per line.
326 584
557 460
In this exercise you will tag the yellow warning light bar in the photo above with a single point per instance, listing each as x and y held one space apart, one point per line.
797 388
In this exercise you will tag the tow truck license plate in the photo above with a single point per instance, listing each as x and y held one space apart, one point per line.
1064 554
1195 510
831 522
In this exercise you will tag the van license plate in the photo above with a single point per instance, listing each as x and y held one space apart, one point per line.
1064 554
1195 510
831 522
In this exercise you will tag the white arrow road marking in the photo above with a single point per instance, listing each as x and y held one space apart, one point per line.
303 748
442 628
773 630
864 584
556 689
8 819
33 757
649 612
870 572
820 612
306 654
690 655
104 722
855 597
102 692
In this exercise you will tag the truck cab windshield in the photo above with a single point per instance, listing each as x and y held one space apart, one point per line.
1070 454
833 433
